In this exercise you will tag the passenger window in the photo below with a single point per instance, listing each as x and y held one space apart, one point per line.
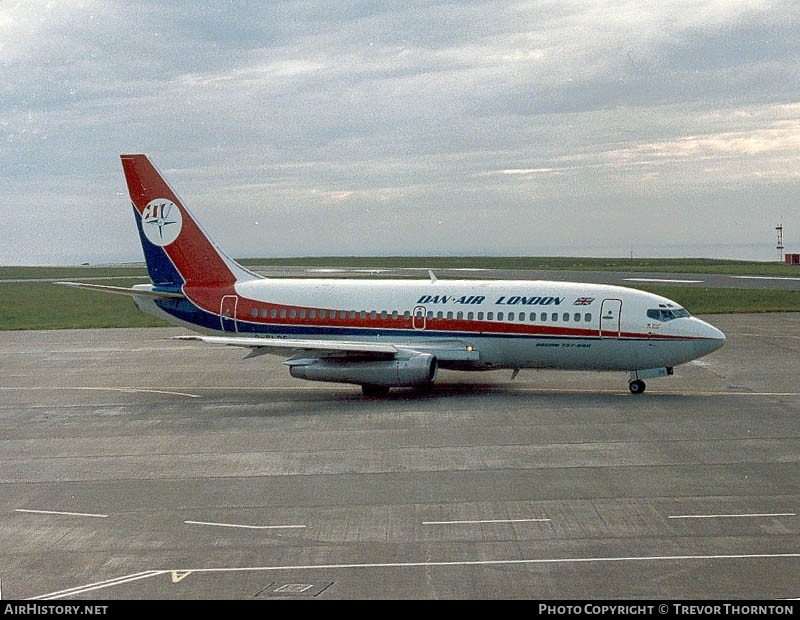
577 317
263 313
460 315
383 314
254 313
490 316
554 317
283 313
587 318
499 316
470 316
394 314
302 314
273 313
566 317
510 316
322 314
292 314
543 317
450 315
480 316
440 315
313 314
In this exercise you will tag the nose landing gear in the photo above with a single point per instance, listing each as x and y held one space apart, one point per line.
635 383
637 386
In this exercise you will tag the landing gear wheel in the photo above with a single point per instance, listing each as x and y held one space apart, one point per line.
636 387
375 391
425 389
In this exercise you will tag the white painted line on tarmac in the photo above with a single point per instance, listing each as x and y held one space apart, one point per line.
485 521
427 564
59 512
249 527
99 585
764 278
122 390
662 280
651 392
82 350
735 516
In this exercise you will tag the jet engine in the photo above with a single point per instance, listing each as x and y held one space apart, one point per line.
419 370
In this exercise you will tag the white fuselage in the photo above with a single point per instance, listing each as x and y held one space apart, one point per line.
512 324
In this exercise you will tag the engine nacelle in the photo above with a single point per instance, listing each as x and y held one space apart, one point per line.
415 371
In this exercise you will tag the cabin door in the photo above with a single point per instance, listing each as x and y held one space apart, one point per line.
419 318
227 313
610 318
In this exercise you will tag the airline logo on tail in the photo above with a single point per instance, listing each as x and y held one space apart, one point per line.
161 221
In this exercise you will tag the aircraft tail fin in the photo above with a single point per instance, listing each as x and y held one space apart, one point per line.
177 250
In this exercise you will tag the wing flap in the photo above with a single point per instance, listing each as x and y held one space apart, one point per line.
447 350
294 344
444 350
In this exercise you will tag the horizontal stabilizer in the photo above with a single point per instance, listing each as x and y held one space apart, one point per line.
121 290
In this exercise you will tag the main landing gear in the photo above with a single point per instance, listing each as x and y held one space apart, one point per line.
382 391
374 391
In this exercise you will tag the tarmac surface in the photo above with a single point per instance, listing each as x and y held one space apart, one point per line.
137 467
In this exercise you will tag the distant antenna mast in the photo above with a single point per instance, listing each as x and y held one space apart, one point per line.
779 229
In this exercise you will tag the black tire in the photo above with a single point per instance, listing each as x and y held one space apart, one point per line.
425 389
375 391
636 387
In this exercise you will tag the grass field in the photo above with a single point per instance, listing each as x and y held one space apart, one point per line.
36 303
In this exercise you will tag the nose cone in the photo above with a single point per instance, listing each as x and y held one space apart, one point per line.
710 338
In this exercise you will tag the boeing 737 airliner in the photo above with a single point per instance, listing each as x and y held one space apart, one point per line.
381 334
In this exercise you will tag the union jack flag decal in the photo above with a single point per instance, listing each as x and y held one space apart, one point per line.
583 301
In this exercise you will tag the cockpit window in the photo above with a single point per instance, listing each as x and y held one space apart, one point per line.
667 314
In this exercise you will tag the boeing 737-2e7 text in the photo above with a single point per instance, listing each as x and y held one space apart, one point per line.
384 333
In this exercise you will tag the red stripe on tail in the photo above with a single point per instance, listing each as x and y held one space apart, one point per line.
196 257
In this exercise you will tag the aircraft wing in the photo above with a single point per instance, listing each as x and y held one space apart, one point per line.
121 290
449 350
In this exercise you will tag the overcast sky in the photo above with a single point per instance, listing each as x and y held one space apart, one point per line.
591 128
